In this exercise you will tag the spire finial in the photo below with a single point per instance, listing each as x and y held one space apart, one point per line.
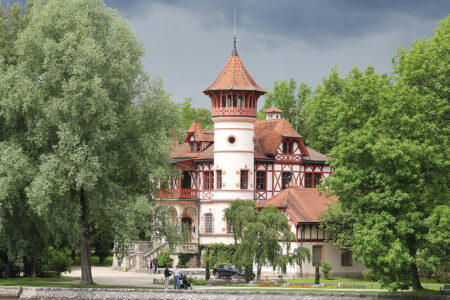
234 52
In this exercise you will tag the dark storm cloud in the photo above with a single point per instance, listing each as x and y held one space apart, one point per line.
312 20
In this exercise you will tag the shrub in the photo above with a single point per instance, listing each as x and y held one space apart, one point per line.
220 254
207 273
248 273
59 263
164 260
326 268
317 278
49 274
183 259
368 275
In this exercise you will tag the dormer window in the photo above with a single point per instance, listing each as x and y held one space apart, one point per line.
195 147
288 147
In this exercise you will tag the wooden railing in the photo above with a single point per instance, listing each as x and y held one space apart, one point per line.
178 193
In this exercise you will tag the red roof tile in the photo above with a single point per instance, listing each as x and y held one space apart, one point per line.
273 110
269 133
303 205
234 76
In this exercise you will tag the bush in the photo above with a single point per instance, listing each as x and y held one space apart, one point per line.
49 274
59 263
184 258
220 254
164 260
317 279
207 273
326 268
248 273
368 275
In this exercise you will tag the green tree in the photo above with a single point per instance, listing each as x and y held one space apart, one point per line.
291 99
258 234
299 257
189 113
390 168
89 120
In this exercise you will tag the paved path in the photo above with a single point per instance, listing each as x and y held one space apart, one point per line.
106 276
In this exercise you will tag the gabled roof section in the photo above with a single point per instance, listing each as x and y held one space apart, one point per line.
234 76
269 134
273 110
200 134
302 205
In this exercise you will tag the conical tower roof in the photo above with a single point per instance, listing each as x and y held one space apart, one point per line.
234 76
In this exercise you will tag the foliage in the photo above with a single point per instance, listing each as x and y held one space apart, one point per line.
164 260
103 246
338 224
391 154
292 100
300 256
59 262
207 272
81 118
326 268
368 275
317 276
258 234
184 258
189 113
219 254
248 273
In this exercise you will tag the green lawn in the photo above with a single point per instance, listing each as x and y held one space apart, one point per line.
427 283
325 291
71 282
95 261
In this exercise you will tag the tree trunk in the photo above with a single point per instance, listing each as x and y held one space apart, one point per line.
258 272
415 282
86 275
72 255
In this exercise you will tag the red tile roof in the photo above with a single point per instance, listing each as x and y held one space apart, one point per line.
234 76
268 135
273 110
302 205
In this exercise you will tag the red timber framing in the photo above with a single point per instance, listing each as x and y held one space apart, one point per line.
310 232
261 194
176 189
203 168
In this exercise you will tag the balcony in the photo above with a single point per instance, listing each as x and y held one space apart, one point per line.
178 194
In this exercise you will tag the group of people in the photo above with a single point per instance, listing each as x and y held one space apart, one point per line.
152 264
176 278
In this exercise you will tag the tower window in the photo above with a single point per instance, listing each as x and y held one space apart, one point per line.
244 179
229 100
234 101
224 101
260 180
231 139
241 101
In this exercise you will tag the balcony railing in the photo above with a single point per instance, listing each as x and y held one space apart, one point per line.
178 193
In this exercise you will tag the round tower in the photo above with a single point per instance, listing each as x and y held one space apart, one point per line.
234 96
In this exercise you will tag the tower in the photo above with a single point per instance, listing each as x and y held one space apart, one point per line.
234 96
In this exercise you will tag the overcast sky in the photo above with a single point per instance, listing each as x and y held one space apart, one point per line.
187 42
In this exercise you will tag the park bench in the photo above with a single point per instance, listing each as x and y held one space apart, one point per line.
445 289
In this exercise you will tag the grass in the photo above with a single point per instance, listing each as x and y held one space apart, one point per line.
427 283
325 291
58 282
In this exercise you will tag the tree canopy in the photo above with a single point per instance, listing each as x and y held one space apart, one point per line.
391 163
85 127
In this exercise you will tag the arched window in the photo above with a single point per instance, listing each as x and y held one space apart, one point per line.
224 101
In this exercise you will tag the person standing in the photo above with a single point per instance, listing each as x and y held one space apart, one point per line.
176 278
149 265
167 274
155 264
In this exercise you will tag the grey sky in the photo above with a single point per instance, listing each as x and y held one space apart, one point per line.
188 42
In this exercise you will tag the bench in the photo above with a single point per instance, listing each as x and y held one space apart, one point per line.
445 289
